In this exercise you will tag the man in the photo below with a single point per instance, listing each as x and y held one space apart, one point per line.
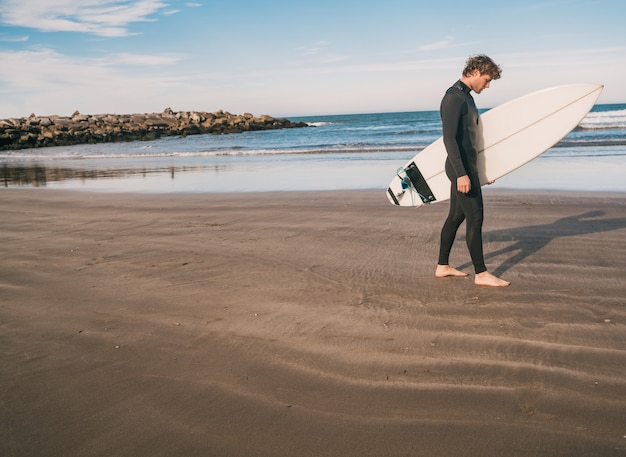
459 117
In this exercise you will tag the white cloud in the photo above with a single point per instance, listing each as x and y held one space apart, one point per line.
47 82
317 53
443 44
109 18
140 59
314 48
13 39
38 71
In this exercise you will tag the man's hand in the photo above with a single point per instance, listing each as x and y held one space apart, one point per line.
463 184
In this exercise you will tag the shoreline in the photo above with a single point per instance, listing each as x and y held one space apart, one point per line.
551 196
254 174
308 323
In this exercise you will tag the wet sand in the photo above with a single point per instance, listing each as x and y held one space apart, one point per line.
308 324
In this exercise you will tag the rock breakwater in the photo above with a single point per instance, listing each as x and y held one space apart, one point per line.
42 131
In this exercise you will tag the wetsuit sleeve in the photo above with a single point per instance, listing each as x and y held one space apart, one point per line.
451 111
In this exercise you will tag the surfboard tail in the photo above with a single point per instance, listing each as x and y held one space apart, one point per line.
419 183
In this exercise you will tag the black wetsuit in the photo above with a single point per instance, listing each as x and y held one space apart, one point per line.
459 117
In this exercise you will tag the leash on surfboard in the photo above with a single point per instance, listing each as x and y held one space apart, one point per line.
411 178
406 184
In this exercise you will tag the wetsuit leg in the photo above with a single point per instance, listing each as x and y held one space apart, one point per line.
450 227
472 204
468 207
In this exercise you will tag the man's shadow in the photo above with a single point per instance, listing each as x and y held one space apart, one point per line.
528 240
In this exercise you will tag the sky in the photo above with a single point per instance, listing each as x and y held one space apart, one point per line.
292 58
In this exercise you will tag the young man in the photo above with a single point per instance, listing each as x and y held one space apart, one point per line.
459 117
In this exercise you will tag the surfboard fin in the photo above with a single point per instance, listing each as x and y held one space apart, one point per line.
419 183
393 196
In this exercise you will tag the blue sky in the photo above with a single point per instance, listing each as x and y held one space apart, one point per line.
292 57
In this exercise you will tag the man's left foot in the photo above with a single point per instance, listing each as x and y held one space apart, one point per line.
444 271
487 279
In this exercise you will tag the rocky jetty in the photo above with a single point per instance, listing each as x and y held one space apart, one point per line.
42 131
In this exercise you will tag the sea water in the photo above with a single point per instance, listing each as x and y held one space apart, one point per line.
339 152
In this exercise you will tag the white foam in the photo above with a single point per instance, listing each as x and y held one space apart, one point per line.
604 120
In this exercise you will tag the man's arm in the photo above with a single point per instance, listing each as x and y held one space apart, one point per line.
451 110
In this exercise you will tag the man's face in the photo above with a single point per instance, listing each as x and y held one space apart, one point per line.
479 82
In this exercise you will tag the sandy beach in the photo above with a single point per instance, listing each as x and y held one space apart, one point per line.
308 324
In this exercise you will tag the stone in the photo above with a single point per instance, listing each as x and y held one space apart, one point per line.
57 130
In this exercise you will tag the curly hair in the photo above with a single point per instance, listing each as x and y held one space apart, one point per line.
484 64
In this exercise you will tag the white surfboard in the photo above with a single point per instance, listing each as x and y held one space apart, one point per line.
512 135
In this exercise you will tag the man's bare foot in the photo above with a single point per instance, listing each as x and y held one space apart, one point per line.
487 279
443 271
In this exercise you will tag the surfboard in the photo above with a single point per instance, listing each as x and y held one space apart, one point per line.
511 135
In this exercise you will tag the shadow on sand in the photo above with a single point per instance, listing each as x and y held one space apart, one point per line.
525 241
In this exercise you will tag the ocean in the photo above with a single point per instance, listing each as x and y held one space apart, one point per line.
338 152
